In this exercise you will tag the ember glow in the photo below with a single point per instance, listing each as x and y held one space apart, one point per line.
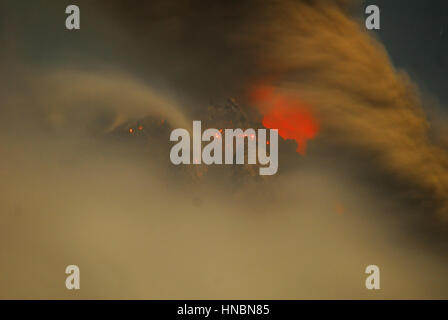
290 116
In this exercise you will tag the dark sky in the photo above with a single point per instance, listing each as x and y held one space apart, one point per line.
415 33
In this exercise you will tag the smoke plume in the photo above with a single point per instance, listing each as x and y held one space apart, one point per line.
316 51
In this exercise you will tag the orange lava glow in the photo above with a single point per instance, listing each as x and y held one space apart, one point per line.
290 116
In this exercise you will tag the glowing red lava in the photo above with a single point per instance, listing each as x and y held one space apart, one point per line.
290 116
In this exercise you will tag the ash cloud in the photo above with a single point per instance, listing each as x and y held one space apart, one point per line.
318 52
